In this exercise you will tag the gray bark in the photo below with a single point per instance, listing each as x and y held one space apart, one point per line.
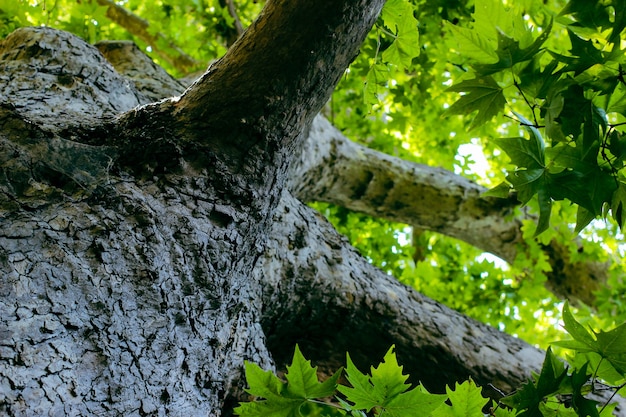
144 257
324 295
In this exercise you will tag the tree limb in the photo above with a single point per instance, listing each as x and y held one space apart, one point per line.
137 26
322 294
336 170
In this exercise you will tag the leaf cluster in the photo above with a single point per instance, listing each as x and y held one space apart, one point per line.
397 46
569 103
557 390
382 392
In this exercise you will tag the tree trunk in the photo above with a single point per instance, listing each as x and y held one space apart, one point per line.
147 251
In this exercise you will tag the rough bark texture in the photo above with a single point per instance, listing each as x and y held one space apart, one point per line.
146 252
323 294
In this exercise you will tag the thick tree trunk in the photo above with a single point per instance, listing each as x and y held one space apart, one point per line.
146 253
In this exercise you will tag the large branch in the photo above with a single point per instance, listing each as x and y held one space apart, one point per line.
322 294
299 48
325 296
336 170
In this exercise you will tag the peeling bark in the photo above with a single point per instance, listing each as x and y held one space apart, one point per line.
146 252
336 170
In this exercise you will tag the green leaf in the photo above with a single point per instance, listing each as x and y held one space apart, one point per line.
527 183
583 406
265 384
609 345
577 330
583 218
474 45
523 153
407 403
262 383
509 52
617 145
612 346
526 399
280 399
552 373
387 377
502 190
504 412
591 14
466 400
617 100
302 379
584 55
618 205
376 83
595 126
397 15
531 396
573 345
619 20
482 94
545 210
402 51
386 389
361 393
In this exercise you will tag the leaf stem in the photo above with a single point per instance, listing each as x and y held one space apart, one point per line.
611 397
530 106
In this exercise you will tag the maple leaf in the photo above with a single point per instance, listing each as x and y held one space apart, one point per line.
386 390
531 396
466 401
584 407
509 52
482 94
397 15
584 55
284 399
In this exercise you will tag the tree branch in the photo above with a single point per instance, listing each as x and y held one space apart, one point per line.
232 11
336 170
323 295
137 26
300 64
329 299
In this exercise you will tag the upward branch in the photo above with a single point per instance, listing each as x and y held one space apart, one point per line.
248 109
282 70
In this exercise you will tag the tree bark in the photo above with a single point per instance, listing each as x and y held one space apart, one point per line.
324 295
147 250
336 170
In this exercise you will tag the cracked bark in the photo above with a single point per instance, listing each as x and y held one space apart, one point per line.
144 256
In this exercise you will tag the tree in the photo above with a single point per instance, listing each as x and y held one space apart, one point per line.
150 247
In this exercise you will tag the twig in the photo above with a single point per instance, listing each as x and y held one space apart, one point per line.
233 13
